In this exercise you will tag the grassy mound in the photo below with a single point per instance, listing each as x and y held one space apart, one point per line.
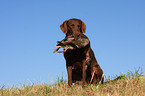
130 84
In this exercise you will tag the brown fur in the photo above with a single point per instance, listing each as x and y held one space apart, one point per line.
78 71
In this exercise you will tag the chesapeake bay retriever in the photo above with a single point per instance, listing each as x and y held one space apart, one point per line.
78 70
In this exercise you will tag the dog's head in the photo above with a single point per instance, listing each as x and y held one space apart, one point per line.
74 27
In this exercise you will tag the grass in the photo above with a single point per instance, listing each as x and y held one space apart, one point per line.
129 84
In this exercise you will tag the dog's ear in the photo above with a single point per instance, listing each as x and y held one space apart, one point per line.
63 27
83 27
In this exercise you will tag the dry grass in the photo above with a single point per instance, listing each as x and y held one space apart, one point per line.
132 84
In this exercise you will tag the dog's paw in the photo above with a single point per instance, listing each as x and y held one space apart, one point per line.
80 83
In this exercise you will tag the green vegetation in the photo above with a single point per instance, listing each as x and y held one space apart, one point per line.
130 84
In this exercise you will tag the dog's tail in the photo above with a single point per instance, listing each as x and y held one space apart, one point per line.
118 78
102 79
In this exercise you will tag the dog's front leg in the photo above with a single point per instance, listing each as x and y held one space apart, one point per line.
69 71
84 72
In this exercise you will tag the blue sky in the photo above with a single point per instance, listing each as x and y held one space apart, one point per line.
29 30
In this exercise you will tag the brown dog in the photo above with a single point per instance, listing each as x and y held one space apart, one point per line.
78 71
